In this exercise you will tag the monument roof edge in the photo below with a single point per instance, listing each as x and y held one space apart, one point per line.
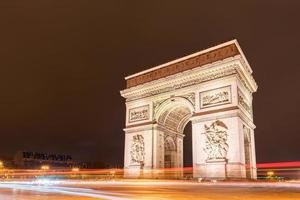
243 55
234 41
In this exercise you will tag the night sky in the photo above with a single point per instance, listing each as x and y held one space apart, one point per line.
63 63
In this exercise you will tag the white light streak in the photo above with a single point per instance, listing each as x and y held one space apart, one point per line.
64 190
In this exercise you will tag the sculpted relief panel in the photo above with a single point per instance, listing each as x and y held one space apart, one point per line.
139 114
215 97
216 145
243 102
137 151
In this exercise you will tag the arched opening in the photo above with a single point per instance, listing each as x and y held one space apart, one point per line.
170 152
188 146
172 117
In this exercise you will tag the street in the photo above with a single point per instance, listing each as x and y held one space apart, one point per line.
122 190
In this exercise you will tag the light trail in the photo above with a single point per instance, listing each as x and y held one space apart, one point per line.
287 169
82 192
152 189
278 164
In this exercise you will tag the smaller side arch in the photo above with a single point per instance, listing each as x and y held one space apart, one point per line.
170 144
170 152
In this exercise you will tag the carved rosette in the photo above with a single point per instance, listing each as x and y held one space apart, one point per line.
137 151
216 146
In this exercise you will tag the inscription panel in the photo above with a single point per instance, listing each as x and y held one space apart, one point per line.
215 97
139 113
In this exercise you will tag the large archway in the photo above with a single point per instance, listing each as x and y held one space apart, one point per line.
212 89
171 116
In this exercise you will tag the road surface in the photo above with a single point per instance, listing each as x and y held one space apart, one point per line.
163 190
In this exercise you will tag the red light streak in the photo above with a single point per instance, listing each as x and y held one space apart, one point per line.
278 164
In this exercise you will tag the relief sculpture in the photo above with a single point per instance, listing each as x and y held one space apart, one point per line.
219 97
244 103
137 151
139 113
216 145
215 97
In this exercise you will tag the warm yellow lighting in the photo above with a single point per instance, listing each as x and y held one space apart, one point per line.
1 164
270 173
75 169
112 172
45 167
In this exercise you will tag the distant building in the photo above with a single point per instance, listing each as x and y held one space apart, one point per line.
33 160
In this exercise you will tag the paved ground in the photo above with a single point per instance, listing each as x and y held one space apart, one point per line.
150 190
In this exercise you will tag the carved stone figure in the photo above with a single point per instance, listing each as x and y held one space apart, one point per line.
244 103
216 140
215 97
137 151
219 97
139 113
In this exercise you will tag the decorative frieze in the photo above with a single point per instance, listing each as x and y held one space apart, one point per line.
244 103
216 146
139 113
199 60
137 151
215 97
178 84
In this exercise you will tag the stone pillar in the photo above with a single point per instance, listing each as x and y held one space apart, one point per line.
218 146
138 152
253 157
179 151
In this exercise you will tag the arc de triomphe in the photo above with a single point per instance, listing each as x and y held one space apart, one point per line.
212 89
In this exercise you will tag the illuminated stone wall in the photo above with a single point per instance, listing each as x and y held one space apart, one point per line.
216 97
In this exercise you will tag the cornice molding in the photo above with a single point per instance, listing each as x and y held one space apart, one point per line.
226 114
139 127
193 77
183 64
